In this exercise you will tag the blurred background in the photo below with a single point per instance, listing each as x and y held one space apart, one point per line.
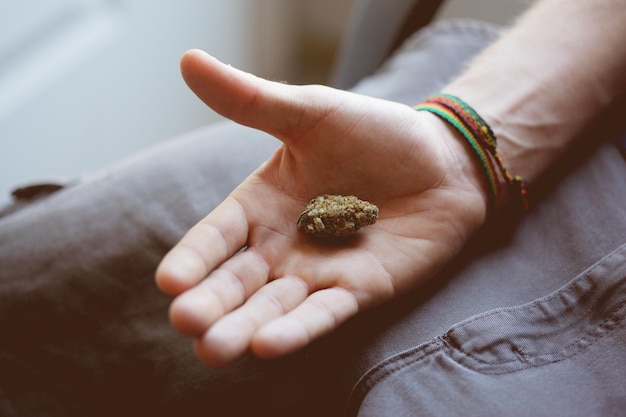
84 83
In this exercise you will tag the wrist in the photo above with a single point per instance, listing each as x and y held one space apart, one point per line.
535 96
520 132
465 170
502 186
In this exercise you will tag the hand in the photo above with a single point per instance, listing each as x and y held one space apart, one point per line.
286 289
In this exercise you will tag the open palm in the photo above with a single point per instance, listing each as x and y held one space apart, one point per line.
286 289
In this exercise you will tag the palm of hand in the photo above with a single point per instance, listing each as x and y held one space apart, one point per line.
287 289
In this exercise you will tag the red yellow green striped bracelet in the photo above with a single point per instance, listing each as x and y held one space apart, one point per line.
482 140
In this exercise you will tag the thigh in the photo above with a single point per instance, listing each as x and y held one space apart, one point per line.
84 330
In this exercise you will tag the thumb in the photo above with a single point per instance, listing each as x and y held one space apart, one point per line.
279 109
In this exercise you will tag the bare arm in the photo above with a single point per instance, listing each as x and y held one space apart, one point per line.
547 78
537 87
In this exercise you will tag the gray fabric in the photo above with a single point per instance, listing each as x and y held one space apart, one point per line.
559 355
85 332
428 60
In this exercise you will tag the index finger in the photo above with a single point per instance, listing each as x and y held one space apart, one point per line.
204 247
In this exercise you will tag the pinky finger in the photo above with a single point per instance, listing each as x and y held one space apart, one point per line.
322 312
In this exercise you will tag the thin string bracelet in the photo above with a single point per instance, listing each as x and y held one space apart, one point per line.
491 143
482 140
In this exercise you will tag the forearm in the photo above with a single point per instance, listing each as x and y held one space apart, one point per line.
547 78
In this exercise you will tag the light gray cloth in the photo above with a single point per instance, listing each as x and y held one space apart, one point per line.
527 350
84 332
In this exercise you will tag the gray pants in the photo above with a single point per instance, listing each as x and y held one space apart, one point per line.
529 320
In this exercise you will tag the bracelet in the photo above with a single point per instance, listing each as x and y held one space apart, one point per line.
483 141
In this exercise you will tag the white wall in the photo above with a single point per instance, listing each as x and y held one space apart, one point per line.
86 82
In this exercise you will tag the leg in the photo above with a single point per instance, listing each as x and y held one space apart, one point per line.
84 330
539 321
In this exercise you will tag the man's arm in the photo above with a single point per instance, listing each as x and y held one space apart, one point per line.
547 78
537 87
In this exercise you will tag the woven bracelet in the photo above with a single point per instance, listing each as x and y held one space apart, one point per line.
482 140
